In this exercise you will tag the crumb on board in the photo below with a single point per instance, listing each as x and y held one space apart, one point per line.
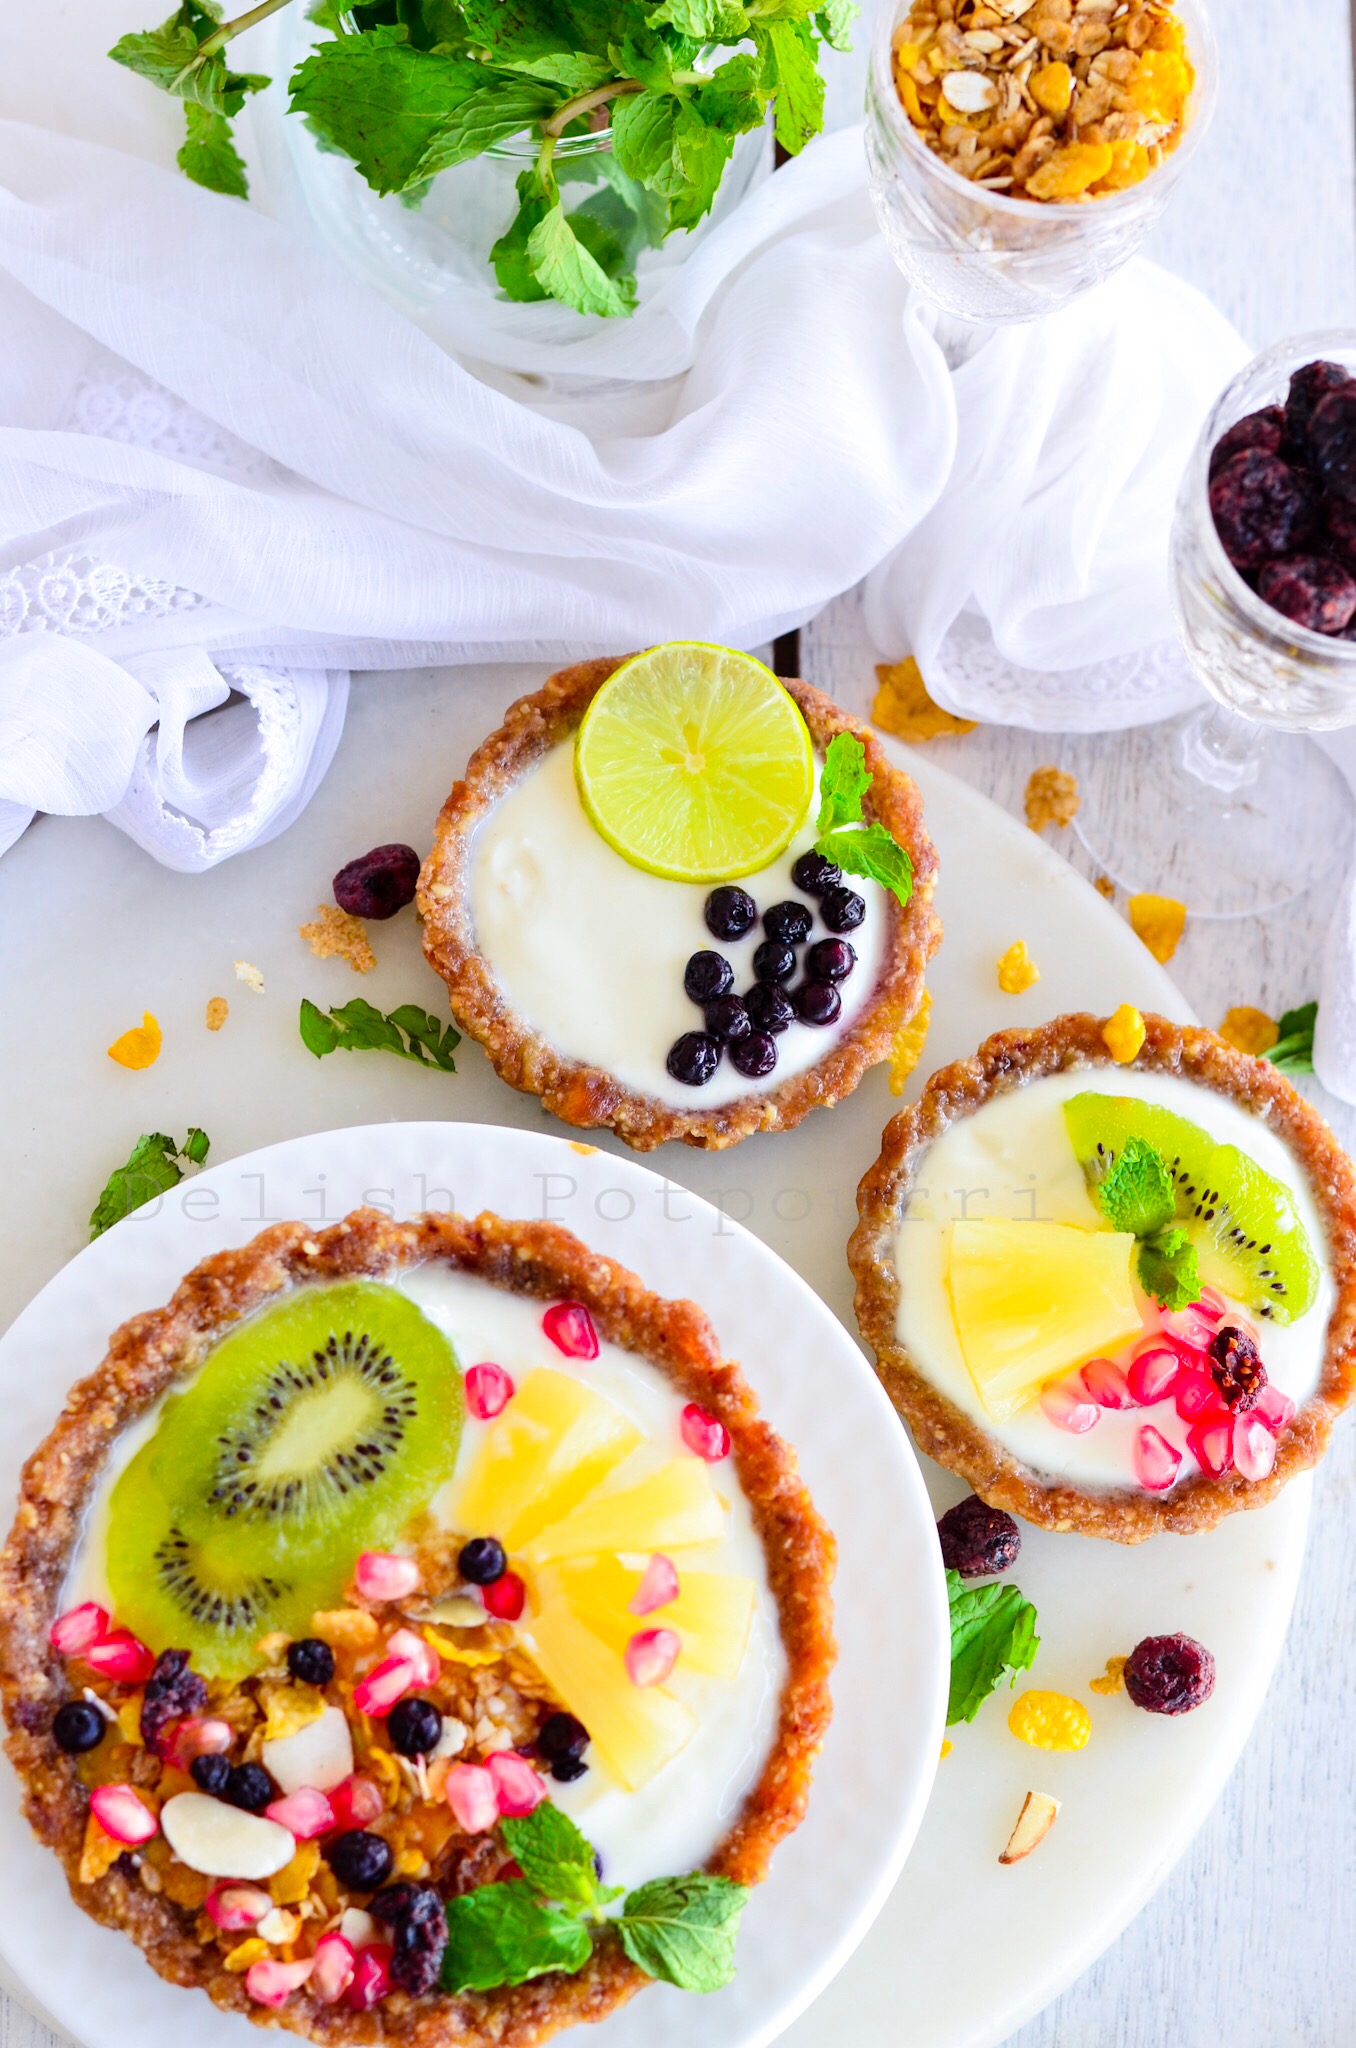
336 934
245 971
1105 887
1051 798
218 1010
1112 1679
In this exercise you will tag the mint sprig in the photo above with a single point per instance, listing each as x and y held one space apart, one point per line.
1169 1269
993 1636
1293 1051
842 834
357 1026
152 1168
1137 1194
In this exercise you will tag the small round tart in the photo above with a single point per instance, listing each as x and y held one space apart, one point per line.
1117 1297
568 964
607 1589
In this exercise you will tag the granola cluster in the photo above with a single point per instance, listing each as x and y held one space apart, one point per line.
1046 99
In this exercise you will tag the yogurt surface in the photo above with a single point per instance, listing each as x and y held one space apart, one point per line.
590 951
1012 1159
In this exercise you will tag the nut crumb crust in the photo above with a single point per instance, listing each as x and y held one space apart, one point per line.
1009 1060
586 1095
150 1351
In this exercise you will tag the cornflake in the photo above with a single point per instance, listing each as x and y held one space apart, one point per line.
1050 1720
1112 1679
1248 1030
1105 887
1051 798
903 706
1159 921
908 1045
335 934
138 1048
1017 971
218 1010
1123 1034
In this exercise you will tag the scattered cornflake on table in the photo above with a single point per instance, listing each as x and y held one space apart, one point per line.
1112 1679
1249 1030
1017 970
585 1151
1123 1034
908 1045
1159 921
947 1746
1050 1720
140 1047
1051 798
902 705
1105 887
250 975
336 934
1034 1823
218 1010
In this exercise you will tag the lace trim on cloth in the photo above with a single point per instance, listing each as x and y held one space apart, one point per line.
976 681
77 594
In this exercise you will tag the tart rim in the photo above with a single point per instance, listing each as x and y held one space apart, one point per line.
585 1095
1007 1060
147 1353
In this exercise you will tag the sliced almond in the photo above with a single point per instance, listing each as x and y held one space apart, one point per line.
458 1610
218 1840
319 1755
1034 1823
969 92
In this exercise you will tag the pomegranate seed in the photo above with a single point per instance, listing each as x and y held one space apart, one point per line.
704 1435
334 1961
506 1598
488 1391
1066 1405
651 1655
382 1575
272 1983
508 1871
570 1327
121 1657
1274 1408
305 1813
378 1692
517 1786
473 1796
1156 1461
1212 1304
355 1802
1197 1398
123 1813
1211 1445
1106 1384
371 1977
1152 1373
1254 1447
72 1633
422 1658
196 1737
658 1588
236 1906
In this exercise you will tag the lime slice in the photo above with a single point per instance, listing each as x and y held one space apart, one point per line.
694 763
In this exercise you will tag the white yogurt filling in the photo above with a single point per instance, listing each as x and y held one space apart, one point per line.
673 1823
590 951
1012 1159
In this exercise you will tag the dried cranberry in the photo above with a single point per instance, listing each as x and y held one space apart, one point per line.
379 883
1169 1674
1332 437
978 1540
1261 508
1310 590
1236 1368
1264 430
1337 520
172 1693
1307 388
419 1920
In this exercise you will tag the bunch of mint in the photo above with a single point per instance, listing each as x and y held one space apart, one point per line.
408 88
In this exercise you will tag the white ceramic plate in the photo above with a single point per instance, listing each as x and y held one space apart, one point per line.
889 1685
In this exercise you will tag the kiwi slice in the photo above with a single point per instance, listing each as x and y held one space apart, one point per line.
1242 1222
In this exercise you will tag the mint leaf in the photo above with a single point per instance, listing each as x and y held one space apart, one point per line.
834 23
707 21
509 254
503 1934
400 112
172 57
1293 1052
843 782
1138 1193
993 1636
152 1168
870 851
1169 1269
209 155
412 1033
555 1858
791 68
565 269
663 142
683 1929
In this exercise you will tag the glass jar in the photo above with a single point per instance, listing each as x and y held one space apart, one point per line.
985 256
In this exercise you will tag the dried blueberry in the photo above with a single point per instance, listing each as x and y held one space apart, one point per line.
978 1540
790 922
755 1055
567 1769
1261 509
561 1738
1309 590
842 909
1264 430
1236 1368
1332 437
360 1860
249 1787
817 1002
482 1561
172 1692
770 1008
414 1726
1169 1674
77 1727
727 1019
814 874
774 961
693 1058
379 883
310 1661
210 1774
1307 388
730 912
830 960
420 1938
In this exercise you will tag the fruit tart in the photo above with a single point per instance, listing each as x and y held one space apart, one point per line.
679 897
1113 1288
412 1632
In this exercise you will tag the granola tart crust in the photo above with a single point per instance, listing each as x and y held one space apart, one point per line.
1009 1060
586 1095
146 1355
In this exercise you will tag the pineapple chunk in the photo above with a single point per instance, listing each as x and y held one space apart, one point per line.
713 1613
1034 1300
675 1507
554 1443
635 1729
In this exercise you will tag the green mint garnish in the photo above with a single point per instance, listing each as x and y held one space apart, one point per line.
993 1636
356 1026
1138 1194
683 1929
555 1858
1169 1269
152 1169
843 836
504 1934
1293 1051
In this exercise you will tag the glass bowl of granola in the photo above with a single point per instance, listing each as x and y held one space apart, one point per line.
1020 150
